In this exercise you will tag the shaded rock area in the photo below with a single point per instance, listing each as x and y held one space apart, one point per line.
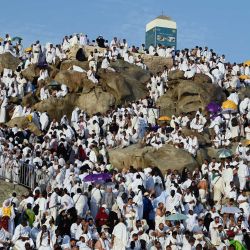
6 189
56 108
75 81
8 61
167 157
156 63
189 95
23 123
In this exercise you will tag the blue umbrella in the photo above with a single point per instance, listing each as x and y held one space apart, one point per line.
230 210
224 153
177 216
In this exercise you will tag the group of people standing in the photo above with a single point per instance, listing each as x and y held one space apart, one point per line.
207 208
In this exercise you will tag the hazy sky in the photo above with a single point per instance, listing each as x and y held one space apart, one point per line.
219 24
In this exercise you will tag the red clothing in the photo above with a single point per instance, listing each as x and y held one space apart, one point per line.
101 217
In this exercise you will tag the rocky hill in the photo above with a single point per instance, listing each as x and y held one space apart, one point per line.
127 84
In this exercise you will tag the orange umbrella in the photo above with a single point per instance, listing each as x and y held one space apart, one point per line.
164 118
247 63
28 49
246 142
228 104
244 77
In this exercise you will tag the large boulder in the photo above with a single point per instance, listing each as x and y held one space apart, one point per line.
203 138
156 63
244 92
188 96
29 100
201 78
74 80
67 64
167 105
88 49
76 53
57 107
6 188
167 157
192 96
95 101
31 72
8 61
128 83
175 75
23 123
202 155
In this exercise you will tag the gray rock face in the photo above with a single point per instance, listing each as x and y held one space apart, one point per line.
75 81
8 61
188 96
167 157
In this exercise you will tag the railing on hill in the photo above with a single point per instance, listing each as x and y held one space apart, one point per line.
17 172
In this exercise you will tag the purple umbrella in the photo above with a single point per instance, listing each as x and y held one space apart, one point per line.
97 177
213 107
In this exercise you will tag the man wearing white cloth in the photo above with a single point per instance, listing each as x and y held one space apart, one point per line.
53 203
95 201
36 49
120 236
243 174
21 235
18 111
43 240
80 202
3 108
44 120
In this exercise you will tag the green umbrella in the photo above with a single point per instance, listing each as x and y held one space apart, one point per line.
16 38
177 216
54 83
224 153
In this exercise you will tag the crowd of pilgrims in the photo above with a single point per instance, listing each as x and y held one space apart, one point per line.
129 210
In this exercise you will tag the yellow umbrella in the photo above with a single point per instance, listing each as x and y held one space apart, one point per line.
246 142
164 118
247 63
244 77
1 39
228 104
28 49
